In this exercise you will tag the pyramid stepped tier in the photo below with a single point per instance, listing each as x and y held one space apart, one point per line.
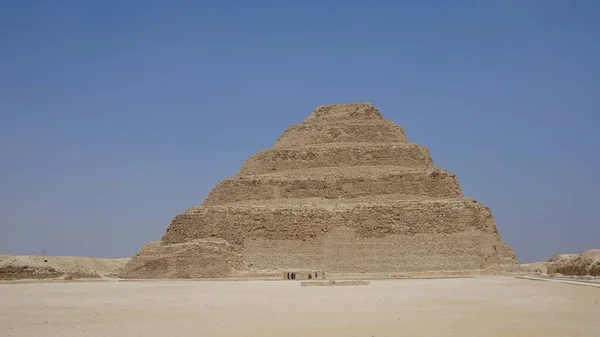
342 192
406 236
358 113
340 133
333 183
340 124
411 156
308 218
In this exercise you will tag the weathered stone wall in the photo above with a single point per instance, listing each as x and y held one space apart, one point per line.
406 156
340 133
329 114
296 221
420 184
202 258
342 251
12 272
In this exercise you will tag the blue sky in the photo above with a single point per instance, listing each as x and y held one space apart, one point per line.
117 115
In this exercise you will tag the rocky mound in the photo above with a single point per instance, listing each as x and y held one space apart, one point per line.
202 258
587 263
52 267
342 192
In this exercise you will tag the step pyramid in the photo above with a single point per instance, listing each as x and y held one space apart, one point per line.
342 192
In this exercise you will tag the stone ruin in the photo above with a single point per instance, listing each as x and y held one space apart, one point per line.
342 192
584 264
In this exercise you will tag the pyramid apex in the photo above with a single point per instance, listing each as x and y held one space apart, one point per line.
359 111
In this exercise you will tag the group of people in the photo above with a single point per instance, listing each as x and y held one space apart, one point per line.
292 275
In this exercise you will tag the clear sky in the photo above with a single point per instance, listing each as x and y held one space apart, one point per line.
117 115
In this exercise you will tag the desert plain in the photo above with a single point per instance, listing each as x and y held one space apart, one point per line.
477 306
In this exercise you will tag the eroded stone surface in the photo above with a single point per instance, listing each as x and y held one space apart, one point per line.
587 263
19 267
201 258
342 192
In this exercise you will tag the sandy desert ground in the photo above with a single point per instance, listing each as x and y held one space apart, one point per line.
482 306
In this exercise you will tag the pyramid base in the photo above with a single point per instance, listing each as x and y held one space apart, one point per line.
339 252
